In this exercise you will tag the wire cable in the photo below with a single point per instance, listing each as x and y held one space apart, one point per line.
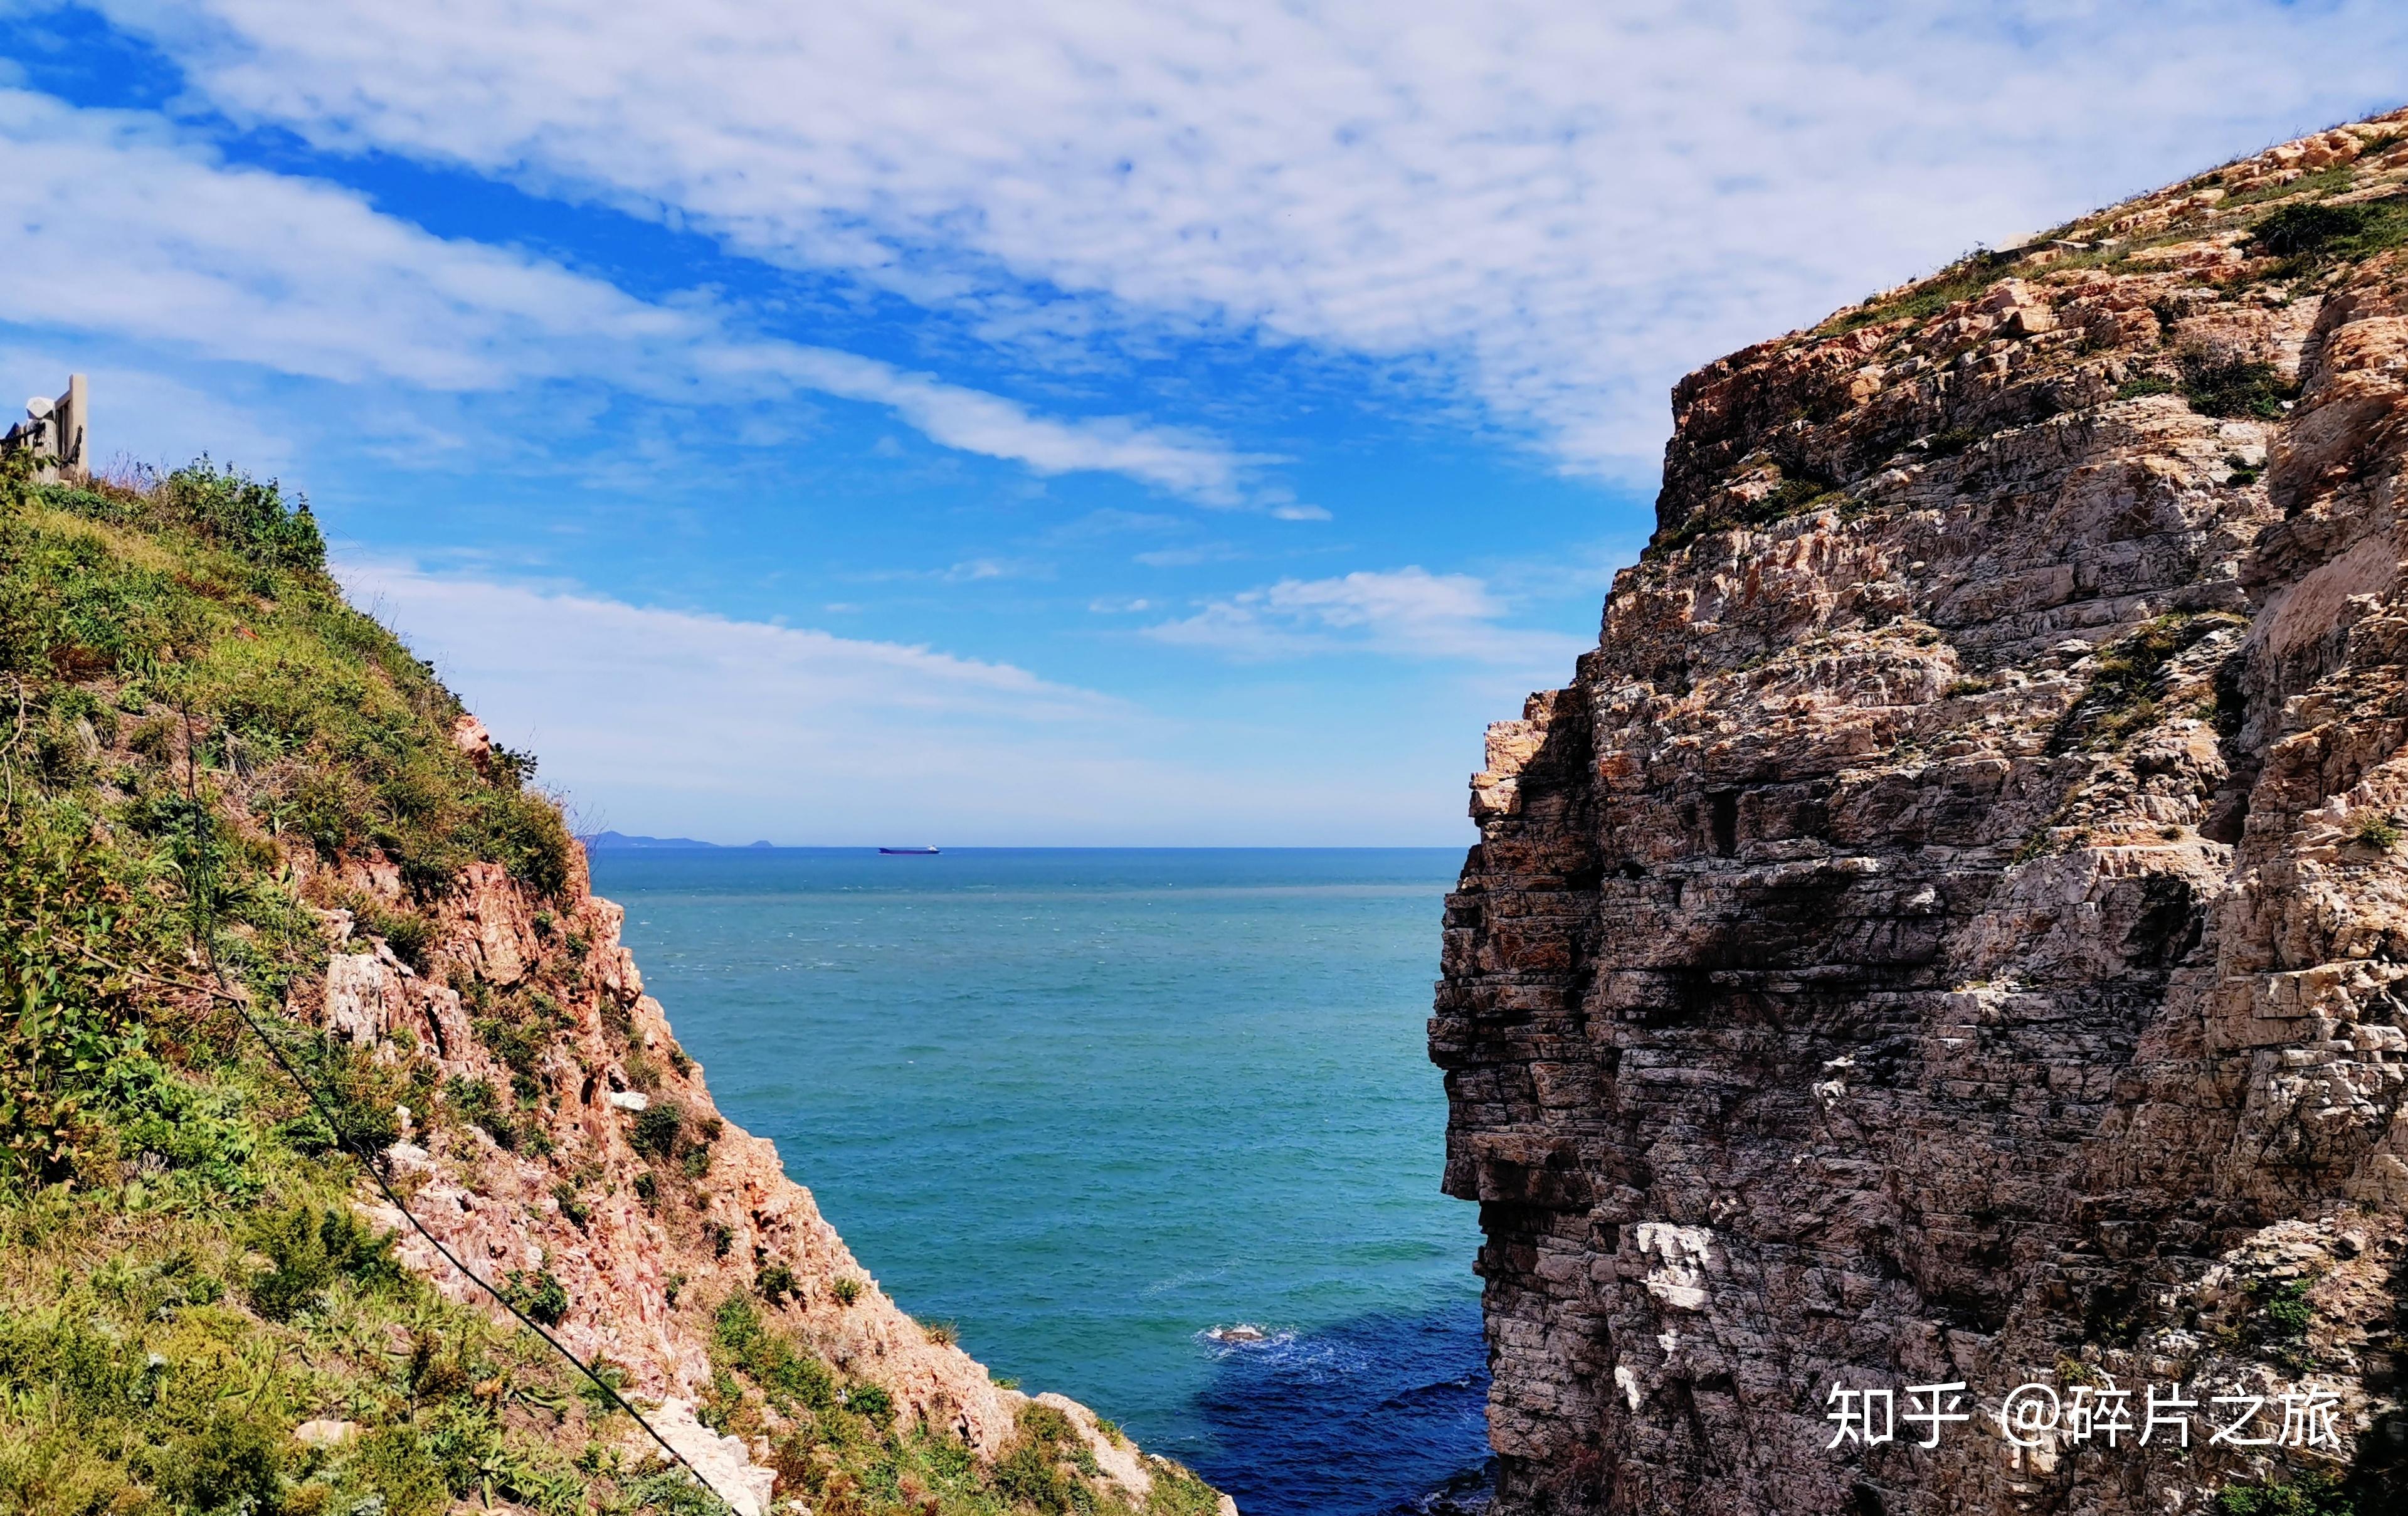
204 933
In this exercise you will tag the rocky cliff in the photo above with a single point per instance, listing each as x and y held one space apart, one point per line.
1953 927
291 953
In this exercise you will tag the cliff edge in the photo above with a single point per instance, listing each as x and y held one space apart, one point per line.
1952 929
304 988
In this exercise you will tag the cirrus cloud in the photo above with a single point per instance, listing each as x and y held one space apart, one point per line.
1555 209
1408 612
120 226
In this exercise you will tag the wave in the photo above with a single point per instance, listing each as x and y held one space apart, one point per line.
1383 1415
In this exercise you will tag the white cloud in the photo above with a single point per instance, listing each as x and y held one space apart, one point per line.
140 416
1562 207
1409 612
116 228
669 721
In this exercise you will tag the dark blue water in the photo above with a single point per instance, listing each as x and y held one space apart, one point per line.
1094 1105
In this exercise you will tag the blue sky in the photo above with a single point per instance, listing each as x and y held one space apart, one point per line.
1072 423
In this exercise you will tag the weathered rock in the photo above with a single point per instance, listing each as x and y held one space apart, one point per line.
643 1247
1951 928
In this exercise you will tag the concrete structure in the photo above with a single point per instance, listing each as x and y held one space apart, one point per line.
55 431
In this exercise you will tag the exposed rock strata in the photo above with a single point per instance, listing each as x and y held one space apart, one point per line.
568 1197
1952 926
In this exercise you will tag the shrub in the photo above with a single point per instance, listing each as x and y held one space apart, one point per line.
229 1462
943 1334
2236 389
2144 384
1028 1476
2319 232
846 1289
229 508
2312 1494
2380 832
869 1401
777 1283
572 1205
741 1340
309 1249
656 1129
476 1101
539 1294
395 1463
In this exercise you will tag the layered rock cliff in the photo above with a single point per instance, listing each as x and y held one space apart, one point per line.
1953 927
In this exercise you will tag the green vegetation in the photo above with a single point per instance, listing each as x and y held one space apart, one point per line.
2380 832
2144 384
1968 276
2312 1494
187 711
2236 389
2280 1327
837 1444
777 1282
191 721
538 1294
1790 497
846 1289
2122 699
2311 234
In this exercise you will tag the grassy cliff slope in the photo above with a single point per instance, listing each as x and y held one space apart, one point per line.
240 823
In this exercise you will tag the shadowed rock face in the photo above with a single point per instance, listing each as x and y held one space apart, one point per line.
1951 928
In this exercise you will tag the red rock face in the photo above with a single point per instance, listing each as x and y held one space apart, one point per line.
1952 926
639 1274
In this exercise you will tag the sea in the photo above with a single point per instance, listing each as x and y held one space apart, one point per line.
1153 1127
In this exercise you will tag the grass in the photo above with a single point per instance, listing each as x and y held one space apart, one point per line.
2237 389
2312 1494
191 719
2122 697
2313 235
837 1444
1790 497
1968 276
189 707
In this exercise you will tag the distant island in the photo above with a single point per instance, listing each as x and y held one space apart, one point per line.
601 840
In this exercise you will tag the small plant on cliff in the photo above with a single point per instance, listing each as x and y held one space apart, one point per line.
656 1129
2380 832
777 1282
2142 385
846 1289
2312 1494
943 1334
2122 699
476 1100
871 1403
538 1293
2256 390
308 1251
572 1204
2314 233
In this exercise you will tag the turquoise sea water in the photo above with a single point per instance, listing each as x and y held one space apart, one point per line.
1090 1105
